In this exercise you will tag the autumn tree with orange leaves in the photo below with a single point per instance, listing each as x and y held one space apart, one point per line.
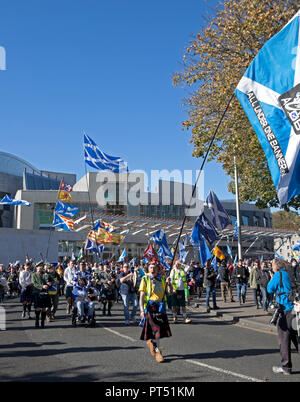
213 64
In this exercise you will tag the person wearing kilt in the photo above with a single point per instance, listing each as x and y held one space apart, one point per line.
153 309
26 290
42 300
178 278
69 276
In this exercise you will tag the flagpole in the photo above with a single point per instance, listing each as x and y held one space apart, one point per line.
195 185
52 222
238 212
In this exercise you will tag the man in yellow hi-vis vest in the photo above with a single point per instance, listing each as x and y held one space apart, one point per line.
153 309
180 290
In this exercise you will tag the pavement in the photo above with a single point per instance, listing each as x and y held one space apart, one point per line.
246 315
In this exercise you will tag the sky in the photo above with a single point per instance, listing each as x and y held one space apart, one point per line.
104 68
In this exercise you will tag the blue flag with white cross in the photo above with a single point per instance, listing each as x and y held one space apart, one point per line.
269 93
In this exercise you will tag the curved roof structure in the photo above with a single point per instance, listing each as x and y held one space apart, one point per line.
12 164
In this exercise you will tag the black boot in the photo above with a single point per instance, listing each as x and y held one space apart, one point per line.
43 316
24 310
37 319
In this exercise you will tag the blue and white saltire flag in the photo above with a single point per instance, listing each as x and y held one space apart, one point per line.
159 238
206 228
182 252
163 258
66 209
93 246
229 250
220 217
97 159
269 93
123 256
7 200
214 264
235 260
132 262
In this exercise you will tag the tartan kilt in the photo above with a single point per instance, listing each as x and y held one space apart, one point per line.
26 295
156 324
42 300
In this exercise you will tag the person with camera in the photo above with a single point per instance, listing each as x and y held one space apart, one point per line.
283 316
107 280
42 300
128 293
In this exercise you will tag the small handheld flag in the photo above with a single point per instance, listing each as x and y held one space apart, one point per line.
123 256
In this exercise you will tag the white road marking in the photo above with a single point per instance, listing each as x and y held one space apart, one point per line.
227 372
118 334
207 366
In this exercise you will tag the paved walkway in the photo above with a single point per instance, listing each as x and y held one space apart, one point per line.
245 314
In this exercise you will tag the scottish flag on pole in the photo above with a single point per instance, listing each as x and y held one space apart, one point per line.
220 217
97 159
122 256
7 200
159 238
269 93
66 209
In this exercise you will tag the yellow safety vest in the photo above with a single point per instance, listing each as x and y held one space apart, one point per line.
176 277
147 280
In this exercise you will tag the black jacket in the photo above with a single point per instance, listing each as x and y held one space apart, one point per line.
263 278
243 273
209 277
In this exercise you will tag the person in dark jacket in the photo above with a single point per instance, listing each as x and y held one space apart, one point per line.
263 278
223 276
42 300
210 276
241 275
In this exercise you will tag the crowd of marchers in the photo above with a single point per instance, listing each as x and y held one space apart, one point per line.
89 288
42 285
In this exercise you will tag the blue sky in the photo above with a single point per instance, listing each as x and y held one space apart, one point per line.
104 68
